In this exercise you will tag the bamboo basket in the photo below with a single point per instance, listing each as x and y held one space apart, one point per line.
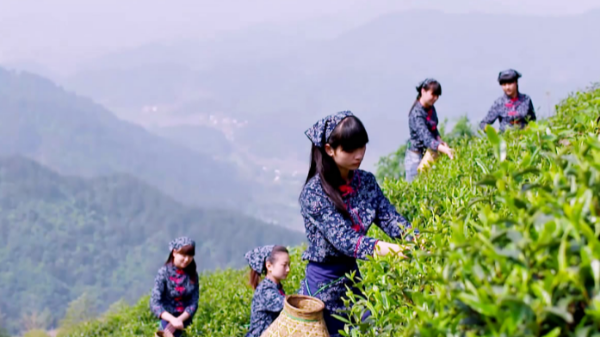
429 157
167 332
161 333
302 316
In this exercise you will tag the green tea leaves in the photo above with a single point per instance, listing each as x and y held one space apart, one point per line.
497 142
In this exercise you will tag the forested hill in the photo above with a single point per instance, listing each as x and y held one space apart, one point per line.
61 236
76 136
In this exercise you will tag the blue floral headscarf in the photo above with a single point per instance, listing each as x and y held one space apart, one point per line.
319 133
180 242
256 258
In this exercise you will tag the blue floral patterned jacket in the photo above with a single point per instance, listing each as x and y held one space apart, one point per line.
267 303
423 124
331 235
510 112
175 292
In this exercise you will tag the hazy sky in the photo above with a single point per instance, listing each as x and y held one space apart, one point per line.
63 32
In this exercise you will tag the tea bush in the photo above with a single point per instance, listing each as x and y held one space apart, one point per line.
391 166
511 238
511 246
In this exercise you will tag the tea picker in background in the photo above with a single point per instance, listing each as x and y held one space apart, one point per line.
512 108
175 294
267 303
339 203
425 140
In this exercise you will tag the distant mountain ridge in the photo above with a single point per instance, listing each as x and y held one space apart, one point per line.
371 69
76 136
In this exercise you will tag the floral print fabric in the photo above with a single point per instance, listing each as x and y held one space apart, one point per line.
423 126
174 291
510 112
330 235
267 303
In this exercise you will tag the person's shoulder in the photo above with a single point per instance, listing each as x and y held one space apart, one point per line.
265 285
313 182
313 199
500 100
313 188
369 182
162 271
525 97
417 110
366 177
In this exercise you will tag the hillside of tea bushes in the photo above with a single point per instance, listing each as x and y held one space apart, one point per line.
511 245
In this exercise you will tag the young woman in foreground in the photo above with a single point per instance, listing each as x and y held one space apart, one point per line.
339 203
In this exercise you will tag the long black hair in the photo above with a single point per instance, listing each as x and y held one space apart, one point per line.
429 84
350 134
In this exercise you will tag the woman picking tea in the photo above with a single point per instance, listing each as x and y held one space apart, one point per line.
339 202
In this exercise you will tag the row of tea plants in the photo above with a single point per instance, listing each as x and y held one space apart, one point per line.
511 233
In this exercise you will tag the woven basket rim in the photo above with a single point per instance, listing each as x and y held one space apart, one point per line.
305 311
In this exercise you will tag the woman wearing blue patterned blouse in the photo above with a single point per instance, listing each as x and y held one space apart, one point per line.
513 108
339 203
423 126
175 294
267 303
